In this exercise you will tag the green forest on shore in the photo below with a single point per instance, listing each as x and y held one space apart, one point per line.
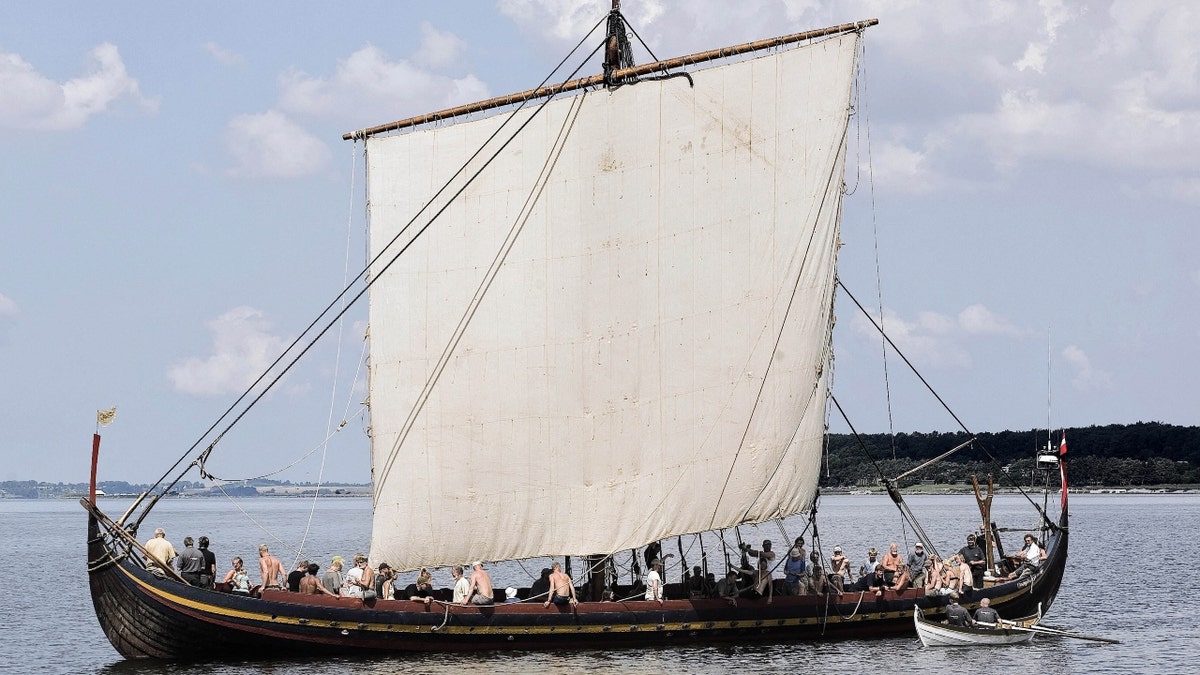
1114 455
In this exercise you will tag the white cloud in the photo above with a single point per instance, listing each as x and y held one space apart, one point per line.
242 348
379 89
901 168
1084 376
271 145
940 340
8 306
927 341
223 56
439 50
979 320
29 100
562 20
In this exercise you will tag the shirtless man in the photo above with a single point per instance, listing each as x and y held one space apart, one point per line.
480 590
562 591
839 566
891 561
311 584
271 568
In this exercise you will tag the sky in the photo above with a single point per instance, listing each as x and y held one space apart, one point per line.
176 204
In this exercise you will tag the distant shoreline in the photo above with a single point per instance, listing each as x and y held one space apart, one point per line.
342 491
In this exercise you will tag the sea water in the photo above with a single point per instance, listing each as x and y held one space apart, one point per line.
1127 578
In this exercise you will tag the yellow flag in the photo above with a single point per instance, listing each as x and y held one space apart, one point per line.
105 417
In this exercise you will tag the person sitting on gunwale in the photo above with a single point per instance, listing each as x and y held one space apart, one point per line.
839 567
916 565
877 582
295 576
238 580
900 581
727 588
358 579
1030 558
891 561
333 579
867 569
562 591
795 569
384 580
480 590
310 583
422 591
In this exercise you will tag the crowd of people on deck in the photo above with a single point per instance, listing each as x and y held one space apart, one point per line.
892 573
803 573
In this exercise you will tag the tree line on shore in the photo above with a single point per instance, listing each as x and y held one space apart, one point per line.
1141 454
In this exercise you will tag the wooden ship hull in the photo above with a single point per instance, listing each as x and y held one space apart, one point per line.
148 616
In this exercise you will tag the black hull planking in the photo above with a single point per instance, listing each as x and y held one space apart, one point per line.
145 616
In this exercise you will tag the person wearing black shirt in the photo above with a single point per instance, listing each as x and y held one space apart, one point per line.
293 580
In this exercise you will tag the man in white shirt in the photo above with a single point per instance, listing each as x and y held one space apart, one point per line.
461 585
1030 557
654 590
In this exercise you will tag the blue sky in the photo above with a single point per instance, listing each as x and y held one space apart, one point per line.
177 203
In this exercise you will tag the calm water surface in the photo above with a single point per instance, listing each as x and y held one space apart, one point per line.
1128 553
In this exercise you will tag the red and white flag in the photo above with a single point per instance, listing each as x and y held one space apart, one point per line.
1062 447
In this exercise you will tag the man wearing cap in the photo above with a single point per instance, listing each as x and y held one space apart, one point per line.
916 565
972 555
161 551
795 575
480 590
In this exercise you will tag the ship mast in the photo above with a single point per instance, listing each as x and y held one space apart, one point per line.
617 52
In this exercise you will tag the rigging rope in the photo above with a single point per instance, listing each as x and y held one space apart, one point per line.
337 359
945 406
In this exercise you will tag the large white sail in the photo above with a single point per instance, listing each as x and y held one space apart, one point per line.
620 330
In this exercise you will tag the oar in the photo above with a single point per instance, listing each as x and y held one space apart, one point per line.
1062 633
1003 625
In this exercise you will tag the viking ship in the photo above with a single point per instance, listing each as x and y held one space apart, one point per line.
601 316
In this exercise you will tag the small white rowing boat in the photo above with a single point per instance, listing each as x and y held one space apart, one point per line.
935 634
